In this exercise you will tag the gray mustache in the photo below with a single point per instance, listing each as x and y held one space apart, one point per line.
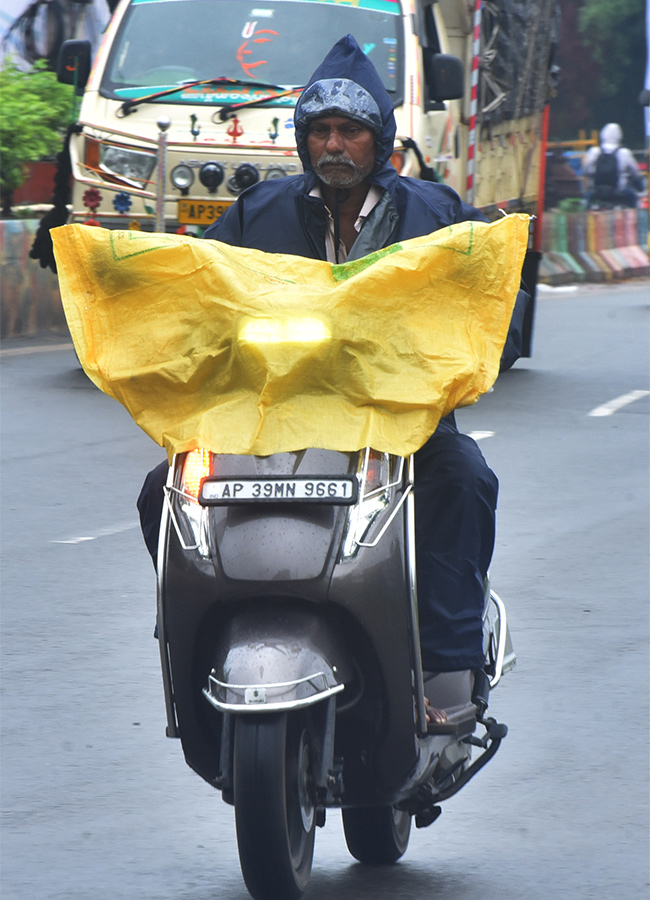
333 160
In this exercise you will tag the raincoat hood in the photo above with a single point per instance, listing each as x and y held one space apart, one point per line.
347 84
611 137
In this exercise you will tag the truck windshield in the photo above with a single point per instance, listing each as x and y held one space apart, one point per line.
165 42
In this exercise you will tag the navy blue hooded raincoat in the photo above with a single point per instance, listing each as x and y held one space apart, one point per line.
455 490
280 216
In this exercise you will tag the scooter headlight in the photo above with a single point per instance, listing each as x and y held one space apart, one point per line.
294 330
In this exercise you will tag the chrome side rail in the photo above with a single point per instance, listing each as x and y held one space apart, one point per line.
254 698
505 656
165 662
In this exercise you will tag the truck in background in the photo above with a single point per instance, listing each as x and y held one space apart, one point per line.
189 102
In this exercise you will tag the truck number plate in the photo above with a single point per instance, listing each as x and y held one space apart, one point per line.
221 491
195 212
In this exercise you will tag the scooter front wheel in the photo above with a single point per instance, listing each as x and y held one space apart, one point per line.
274 795
376 835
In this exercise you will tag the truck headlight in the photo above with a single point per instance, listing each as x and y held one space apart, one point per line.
245 176
182 177
211 174
131 166
273 173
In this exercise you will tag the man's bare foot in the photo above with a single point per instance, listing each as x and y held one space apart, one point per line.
435 716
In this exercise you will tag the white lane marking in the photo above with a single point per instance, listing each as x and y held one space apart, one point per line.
479 435
103 532
557 289
607 409
43 348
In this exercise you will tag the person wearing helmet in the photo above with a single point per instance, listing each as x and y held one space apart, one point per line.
612 173
350 201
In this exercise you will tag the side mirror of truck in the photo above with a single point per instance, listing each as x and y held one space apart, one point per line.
444 76
73 65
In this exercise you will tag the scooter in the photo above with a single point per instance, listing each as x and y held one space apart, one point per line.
606 197
288 632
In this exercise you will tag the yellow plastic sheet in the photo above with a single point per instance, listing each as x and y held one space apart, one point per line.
240 351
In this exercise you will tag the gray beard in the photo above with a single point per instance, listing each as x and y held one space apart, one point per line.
346 175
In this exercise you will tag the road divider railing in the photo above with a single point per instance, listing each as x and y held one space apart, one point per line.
30 301
594 245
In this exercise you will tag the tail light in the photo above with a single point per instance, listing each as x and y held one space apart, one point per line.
374 471
197 466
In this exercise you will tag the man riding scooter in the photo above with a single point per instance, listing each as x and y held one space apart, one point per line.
350 202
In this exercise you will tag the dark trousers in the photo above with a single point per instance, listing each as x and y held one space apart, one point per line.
455 504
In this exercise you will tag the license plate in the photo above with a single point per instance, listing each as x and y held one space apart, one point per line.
195 212
220 491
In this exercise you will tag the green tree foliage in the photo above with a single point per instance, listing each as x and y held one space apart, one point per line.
602 56
35 110
615 34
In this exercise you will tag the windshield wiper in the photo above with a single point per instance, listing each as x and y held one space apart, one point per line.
129 105
229 111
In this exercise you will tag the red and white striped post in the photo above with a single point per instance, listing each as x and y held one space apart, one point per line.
473 108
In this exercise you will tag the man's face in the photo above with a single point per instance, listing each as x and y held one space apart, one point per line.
341 151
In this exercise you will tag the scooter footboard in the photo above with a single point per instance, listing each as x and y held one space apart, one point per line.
269 661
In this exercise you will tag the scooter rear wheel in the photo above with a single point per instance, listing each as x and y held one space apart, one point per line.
377 835
275 812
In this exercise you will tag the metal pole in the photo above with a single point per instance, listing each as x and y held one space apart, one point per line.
163 124
471 144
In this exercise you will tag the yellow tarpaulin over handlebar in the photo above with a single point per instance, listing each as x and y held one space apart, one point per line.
240 351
